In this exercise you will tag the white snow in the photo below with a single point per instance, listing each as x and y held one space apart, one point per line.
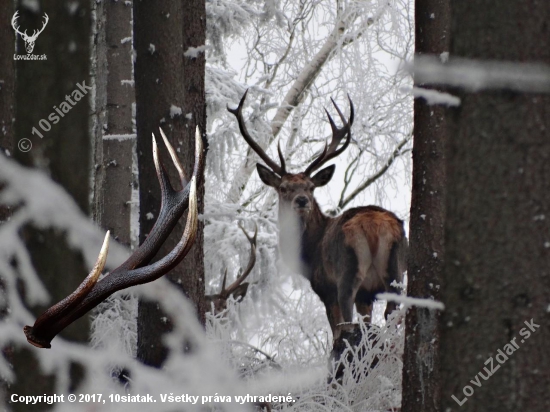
434 97
410 301
175 111
32 5
119 137
193 52
475 75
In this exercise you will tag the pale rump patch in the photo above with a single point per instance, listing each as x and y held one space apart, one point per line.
371 235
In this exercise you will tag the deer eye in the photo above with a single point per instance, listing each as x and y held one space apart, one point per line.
282 190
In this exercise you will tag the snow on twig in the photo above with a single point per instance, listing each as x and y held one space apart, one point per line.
476 75
409 301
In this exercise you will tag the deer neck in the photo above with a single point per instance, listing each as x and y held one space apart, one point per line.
300 238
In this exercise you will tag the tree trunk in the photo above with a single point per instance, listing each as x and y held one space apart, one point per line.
63 152
497 232
421 390
115 137
114 141
7 113
7 81
169 94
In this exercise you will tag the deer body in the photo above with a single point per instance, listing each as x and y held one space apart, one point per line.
348 259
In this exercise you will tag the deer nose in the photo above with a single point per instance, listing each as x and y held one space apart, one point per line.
301 201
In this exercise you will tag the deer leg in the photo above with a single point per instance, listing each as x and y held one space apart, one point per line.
364 303
364 310
393 275
347 291
334 318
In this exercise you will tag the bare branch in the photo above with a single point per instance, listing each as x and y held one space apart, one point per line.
396 153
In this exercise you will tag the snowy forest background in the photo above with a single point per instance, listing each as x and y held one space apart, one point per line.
292 56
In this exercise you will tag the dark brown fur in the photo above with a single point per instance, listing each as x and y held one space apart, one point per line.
348 259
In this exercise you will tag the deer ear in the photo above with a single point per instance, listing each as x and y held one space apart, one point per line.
269 177
240 291
324 176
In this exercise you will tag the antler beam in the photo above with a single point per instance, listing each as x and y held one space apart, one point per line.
135 270
225 293
238 112
330 151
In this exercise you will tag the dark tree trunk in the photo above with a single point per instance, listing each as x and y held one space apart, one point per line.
115 138
63 152
7 113
194 103
421 390
7 82
497 234
169 94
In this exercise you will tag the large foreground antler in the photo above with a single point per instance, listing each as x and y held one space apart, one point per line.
134 270
338 134
238 112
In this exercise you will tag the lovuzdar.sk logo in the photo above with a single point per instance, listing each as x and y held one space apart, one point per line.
28 39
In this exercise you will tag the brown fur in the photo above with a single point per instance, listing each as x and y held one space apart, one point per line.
348 259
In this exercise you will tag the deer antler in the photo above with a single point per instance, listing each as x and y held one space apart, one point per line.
14 22
338 134
238 112
135 270
35 32
225 293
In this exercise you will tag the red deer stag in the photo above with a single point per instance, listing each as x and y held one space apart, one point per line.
218 303
348 259
136 269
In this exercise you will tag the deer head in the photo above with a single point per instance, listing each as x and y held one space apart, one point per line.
29 40
136 269
218 302
295 190
297 206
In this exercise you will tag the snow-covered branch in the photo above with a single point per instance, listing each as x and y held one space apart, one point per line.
475 75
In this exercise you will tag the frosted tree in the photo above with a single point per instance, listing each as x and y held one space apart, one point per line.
294 56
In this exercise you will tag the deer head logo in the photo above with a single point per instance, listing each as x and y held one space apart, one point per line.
29 40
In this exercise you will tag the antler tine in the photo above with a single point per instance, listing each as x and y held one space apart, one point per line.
223 281
14 22
251 262
331 151
281 157
73 299
36 32
132 272
238 112
175 160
